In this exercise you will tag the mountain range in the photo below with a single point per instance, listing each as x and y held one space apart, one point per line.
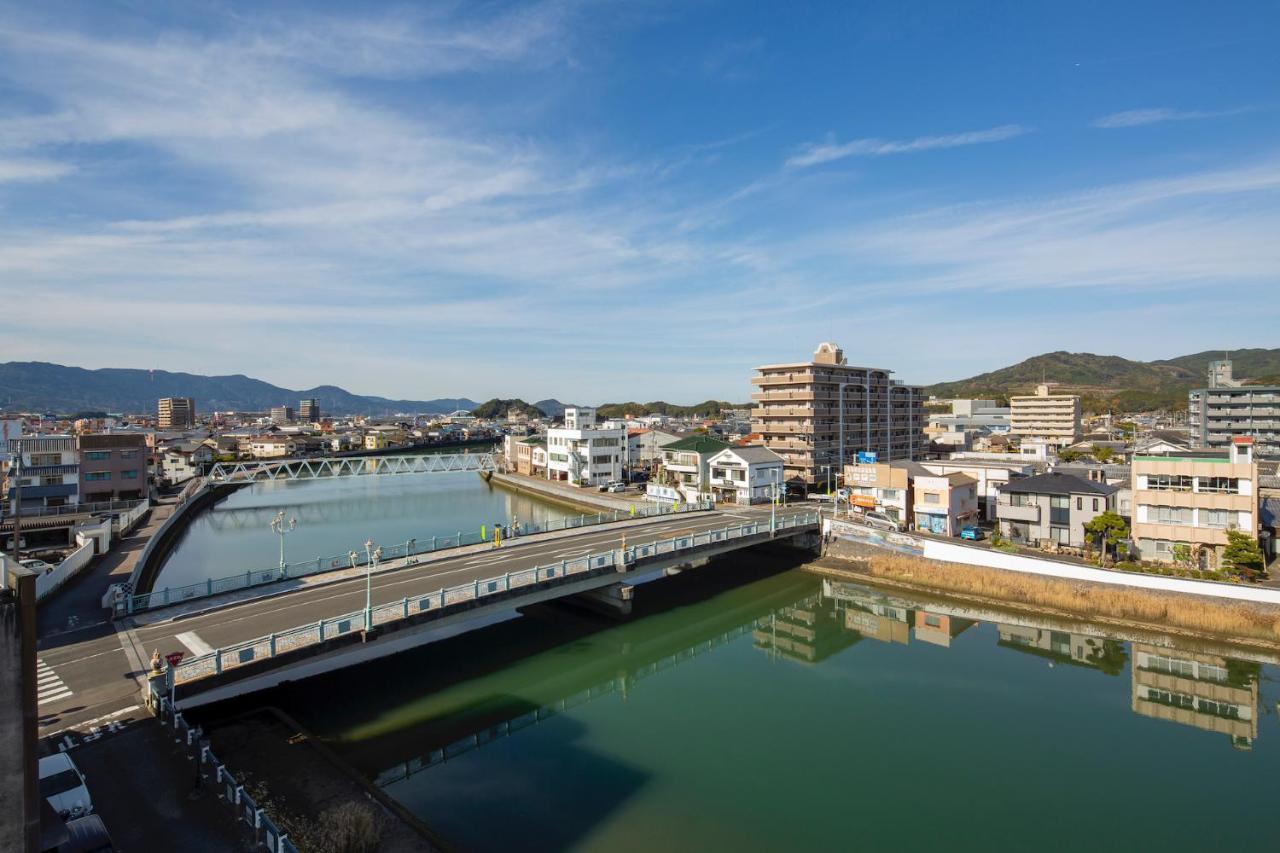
27 386
1109 382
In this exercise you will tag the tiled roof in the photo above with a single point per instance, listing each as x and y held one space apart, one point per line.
1056 484
698 444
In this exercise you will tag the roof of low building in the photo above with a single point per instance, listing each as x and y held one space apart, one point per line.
753 454
1057 484
535 440
698 444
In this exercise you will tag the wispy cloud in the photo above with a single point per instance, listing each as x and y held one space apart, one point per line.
814 153
1156 115
32 170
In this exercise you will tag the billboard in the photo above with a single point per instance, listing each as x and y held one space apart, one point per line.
867 457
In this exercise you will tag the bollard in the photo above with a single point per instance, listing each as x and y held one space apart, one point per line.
208 587
405 608
271 643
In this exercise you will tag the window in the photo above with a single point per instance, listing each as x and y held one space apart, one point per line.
1214 518
932 621
1218 709
1173 666
1061 535
129 475
930 497
1164 697
1169 482
1059 509
98 455
1095 504
1018 499
128 454
1169 515
1209 672
97 475
1220 485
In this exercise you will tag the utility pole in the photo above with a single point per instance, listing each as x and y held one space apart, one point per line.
15 474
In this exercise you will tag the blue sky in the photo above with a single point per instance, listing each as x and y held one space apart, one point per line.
601 201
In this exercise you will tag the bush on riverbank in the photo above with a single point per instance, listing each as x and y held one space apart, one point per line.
1239 619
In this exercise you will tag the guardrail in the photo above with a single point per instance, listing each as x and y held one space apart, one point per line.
267 835
412 548
74 509
272 645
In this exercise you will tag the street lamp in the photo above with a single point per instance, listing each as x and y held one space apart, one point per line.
371 553
283 528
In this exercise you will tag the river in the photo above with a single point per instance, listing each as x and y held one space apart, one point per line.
754 707
339 515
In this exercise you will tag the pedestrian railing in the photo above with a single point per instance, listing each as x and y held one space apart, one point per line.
405 550
266 834
230 657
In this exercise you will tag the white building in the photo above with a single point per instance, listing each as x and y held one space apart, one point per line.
745 475
990 477
582 453
1052 418
50 466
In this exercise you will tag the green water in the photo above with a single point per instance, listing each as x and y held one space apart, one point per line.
787 715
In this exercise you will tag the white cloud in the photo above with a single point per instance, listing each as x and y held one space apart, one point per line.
1156 115
811 154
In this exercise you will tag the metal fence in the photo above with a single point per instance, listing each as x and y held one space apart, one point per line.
266 834
405 550
230 657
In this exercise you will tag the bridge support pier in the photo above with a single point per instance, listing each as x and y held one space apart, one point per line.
613 600
804 542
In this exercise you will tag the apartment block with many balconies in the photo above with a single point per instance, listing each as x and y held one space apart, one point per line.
175 413
819 415
1051 418
1192 498
1226 408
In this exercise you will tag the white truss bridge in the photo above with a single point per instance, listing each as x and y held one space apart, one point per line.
352 466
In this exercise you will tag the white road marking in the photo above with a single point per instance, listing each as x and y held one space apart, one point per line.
192 640
49 687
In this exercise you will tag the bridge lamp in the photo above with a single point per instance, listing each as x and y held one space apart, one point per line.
368 582
282 528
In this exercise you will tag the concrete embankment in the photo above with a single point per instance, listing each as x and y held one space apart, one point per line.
582 500
158 549
1244 623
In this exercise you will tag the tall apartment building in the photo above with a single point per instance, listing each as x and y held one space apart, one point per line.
176 413
1227 408
282 414
1052 418
1193 498
820 414
113 467
309 411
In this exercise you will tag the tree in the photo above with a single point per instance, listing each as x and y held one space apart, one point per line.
1182 554
1108 528
1069 455
1242 553
1103 454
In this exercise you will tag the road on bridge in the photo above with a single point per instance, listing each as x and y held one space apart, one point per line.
97 677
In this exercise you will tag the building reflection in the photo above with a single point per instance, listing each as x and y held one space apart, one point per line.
806 632
1203 691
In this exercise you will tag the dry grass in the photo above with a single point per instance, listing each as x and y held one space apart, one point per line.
1168 610
347 828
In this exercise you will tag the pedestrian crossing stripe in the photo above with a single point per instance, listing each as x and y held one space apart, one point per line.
49 687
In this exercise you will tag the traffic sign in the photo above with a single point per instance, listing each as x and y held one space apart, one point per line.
174 658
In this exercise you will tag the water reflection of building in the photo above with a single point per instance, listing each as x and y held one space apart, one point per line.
803 631
939 628
870 613
1063 646
1199 690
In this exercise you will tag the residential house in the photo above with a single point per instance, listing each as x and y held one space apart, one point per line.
745 475
1192 498
1052 508
182 460
991 476
50 471
271 446
685 468
883 487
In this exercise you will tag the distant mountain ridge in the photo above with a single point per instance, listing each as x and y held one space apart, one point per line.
45 387
1111 382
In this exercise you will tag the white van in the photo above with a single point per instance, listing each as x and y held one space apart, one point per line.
880 521
62 784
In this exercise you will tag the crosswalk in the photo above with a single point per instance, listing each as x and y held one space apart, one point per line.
49 687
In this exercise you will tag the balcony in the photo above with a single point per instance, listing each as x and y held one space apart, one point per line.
1009 512
65 490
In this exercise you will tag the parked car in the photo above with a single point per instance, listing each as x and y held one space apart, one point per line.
88 835
62 784
880 521
973 533
36 565
616 486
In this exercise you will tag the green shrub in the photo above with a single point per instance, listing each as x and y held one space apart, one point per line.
1126 566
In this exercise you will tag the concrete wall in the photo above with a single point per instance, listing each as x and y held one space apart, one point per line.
19 798
66 570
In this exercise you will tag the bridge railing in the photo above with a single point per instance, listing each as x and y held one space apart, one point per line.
405 550
230 657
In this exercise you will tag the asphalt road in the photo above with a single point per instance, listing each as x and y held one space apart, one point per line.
98 670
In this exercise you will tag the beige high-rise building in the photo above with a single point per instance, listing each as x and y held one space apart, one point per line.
822 413
176 413
1053 418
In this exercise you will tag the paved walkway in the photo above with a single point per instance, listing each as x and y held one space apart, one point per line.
606 501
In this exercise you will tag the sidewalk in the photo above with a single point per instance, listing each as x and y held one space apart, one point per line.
590 496
77 606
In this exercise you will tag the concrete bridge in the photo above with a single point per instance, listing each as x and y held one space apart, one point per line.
257 643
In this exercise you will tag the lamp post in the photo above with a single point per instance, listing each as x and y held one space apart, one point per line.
371 553
283 528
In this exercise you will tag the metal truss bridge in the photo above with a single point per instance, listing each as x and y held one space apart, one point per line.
351 466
